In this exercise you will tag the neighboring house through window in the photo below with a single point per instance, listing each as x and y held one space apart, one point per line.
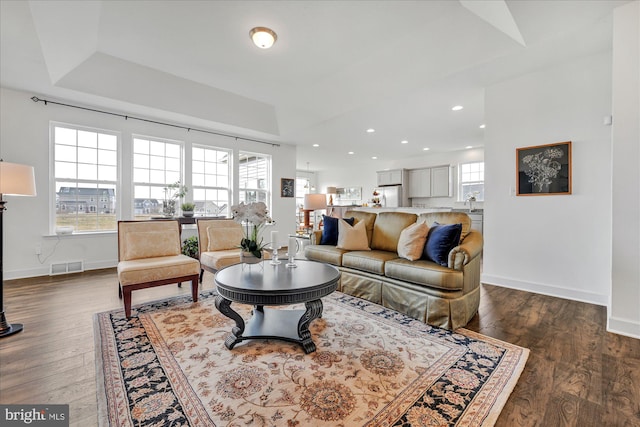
471 181
85 169
254 171
157 163
210 179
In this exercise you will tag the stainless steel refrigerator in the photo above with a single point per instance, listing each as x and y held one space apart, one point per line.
391 196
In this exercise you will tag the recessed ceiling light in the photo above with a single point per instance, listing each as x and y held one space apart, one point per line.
316 145
482 126
457 108
468 147
404 142
374 158
371 130
263 37
425 149
350 152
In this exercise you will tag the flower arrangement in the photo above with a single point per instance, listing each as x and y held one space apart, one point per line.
253 217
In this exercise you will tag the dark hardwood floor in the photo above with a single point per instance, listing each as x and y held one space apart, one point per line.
577 373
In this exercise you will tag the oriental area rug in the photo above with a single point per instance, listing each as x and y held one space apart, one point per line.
168 366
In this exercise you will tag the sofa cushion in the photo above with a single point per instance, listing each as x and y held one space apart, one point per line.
448 218
352 238
423 272
440 240
371 261
412 240
387 229
324 253
369 218
330 230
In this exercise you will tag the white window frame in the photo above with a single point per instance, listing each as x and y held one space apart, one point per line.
55 176
202 203
243 188
156 188
465 181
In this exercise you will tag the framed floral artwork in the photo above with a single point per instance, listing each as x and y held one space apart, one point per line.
544 170
287 187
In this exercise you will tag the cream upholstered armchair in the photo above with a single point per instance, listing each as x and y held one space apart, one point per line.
149 254
219 244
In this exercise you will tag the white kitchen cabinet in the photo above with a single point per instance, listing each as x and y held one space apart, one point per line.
430 182
441 181
476 221
420 183
390 177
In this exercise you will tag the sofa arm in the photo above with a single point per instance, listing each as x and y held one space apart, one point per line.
316 237
470 248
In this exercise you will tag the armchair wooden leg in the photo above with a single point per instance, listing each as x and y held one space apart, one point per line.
194 290
127 302
119 290
201 274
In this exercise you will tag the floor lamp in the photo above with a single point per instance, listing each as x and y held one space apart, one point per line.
15 180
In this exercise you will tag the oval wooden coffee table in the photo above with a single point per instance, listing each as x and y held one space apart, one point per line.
273 285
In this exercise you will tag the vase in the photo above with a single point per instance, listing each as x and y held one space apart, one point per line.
249 258
187 214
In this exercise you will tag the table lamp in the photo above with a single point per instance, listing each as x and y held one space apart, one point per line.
331 191
313 202
15 180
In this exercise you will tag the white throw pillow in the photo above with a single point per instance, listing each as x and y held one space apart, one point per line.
352 238
412 240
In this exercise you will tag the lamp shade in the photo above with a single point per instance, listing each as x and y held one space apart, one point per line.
315 201
331 190
17 180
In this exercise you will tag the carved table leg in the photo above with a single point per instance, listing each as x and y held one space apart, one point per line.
314 310
224 306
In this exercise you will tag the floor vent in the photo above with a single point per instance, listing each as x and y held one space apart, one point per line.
66 267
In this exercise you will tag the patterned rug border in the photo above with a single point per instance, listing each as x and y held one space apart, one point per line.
496 399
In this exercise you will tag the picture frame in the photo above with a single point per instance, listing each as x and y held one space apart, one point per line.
544 170
287 187
350 193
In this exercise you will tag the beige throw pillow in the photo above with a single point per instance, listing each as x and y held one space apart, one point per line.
222 238
352 238
412 240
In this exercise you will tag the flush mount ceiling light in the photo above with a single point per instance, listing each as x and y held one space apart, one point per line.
371 130
316 145
457 108
350 152
404 142
468 147
425 149
482 126
263 37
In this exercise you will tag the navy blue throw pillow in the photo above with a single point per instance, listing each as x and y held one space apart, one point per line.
330 230
440 240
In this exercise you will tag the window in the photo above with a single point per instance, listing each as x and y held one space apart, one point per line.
156 164
85 169
210 179
254 171
471 181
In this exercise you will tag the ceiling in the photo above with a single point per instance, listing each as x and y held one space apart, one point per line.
337 68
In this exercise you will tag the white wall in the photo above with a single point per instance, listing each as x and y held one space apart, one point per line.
624 314
24 138
556 245
364 174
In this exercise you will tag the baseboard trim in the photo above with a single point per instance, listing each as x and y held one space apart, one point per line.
554 291
44 270
624 327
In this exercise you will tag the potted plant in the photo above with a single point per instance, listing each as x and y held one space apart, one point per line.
169 204
190 247
187 209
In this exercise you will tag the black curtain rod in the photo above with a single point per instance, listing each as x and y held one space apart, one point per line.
127 117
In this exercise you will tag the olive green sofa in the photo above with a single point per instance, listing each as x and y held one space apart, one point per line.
447 297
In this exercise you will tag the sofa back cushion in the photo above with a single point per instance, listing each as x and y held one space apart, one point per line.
367 217
448 218
387 229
